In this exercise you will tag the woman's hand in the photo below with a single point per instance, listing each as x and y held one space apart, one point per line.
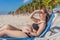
36 10
26 29
34 31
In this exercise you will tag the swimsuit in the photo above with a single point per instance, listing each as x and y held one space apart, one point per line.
35 26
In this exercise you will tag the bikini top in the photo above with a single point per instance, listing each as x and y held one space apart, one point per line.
35 26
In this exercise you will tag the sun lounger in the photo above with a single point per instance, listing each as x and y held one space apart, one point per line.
49 23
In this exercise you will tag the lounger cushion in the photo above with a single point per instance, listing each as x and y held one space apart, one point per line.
49 23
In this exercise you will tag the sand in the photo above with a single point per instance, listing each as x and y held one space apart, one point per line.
21 20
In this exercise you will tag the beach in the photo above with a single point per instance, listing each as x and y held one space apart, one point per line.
20 20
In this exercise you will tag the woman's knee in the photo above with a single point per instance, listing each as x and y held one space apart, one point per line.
6 26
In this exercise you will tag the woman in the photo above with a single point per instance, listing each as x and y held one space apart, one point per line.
29 31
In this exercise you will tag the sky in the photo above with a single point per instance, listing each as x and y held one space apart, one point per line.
11 5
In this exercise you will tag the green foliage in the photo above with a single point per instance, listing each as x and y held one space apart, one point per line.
36 4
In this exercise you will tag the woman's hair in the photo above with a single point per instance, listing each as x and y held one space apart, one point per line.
47 14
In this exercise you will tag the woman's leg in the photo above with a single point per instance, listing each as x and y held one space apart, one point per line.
14 33
8 27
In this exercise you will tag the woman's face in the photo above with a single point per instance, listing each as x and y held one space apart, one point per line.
41 12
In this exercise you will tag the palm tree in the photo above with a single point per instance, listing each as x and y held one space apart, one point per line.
36 4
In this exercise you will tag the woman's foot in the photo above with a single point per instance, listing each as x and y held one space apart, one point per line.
2 33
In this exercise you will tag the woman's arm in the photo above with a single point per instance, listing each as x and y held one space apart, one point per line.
33 18
42 26
40 30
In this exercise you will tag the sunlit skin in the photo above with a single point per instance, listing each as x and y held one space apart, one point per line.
16 33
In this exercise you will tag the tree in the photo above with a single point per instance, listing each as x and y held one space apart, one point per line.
36 4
